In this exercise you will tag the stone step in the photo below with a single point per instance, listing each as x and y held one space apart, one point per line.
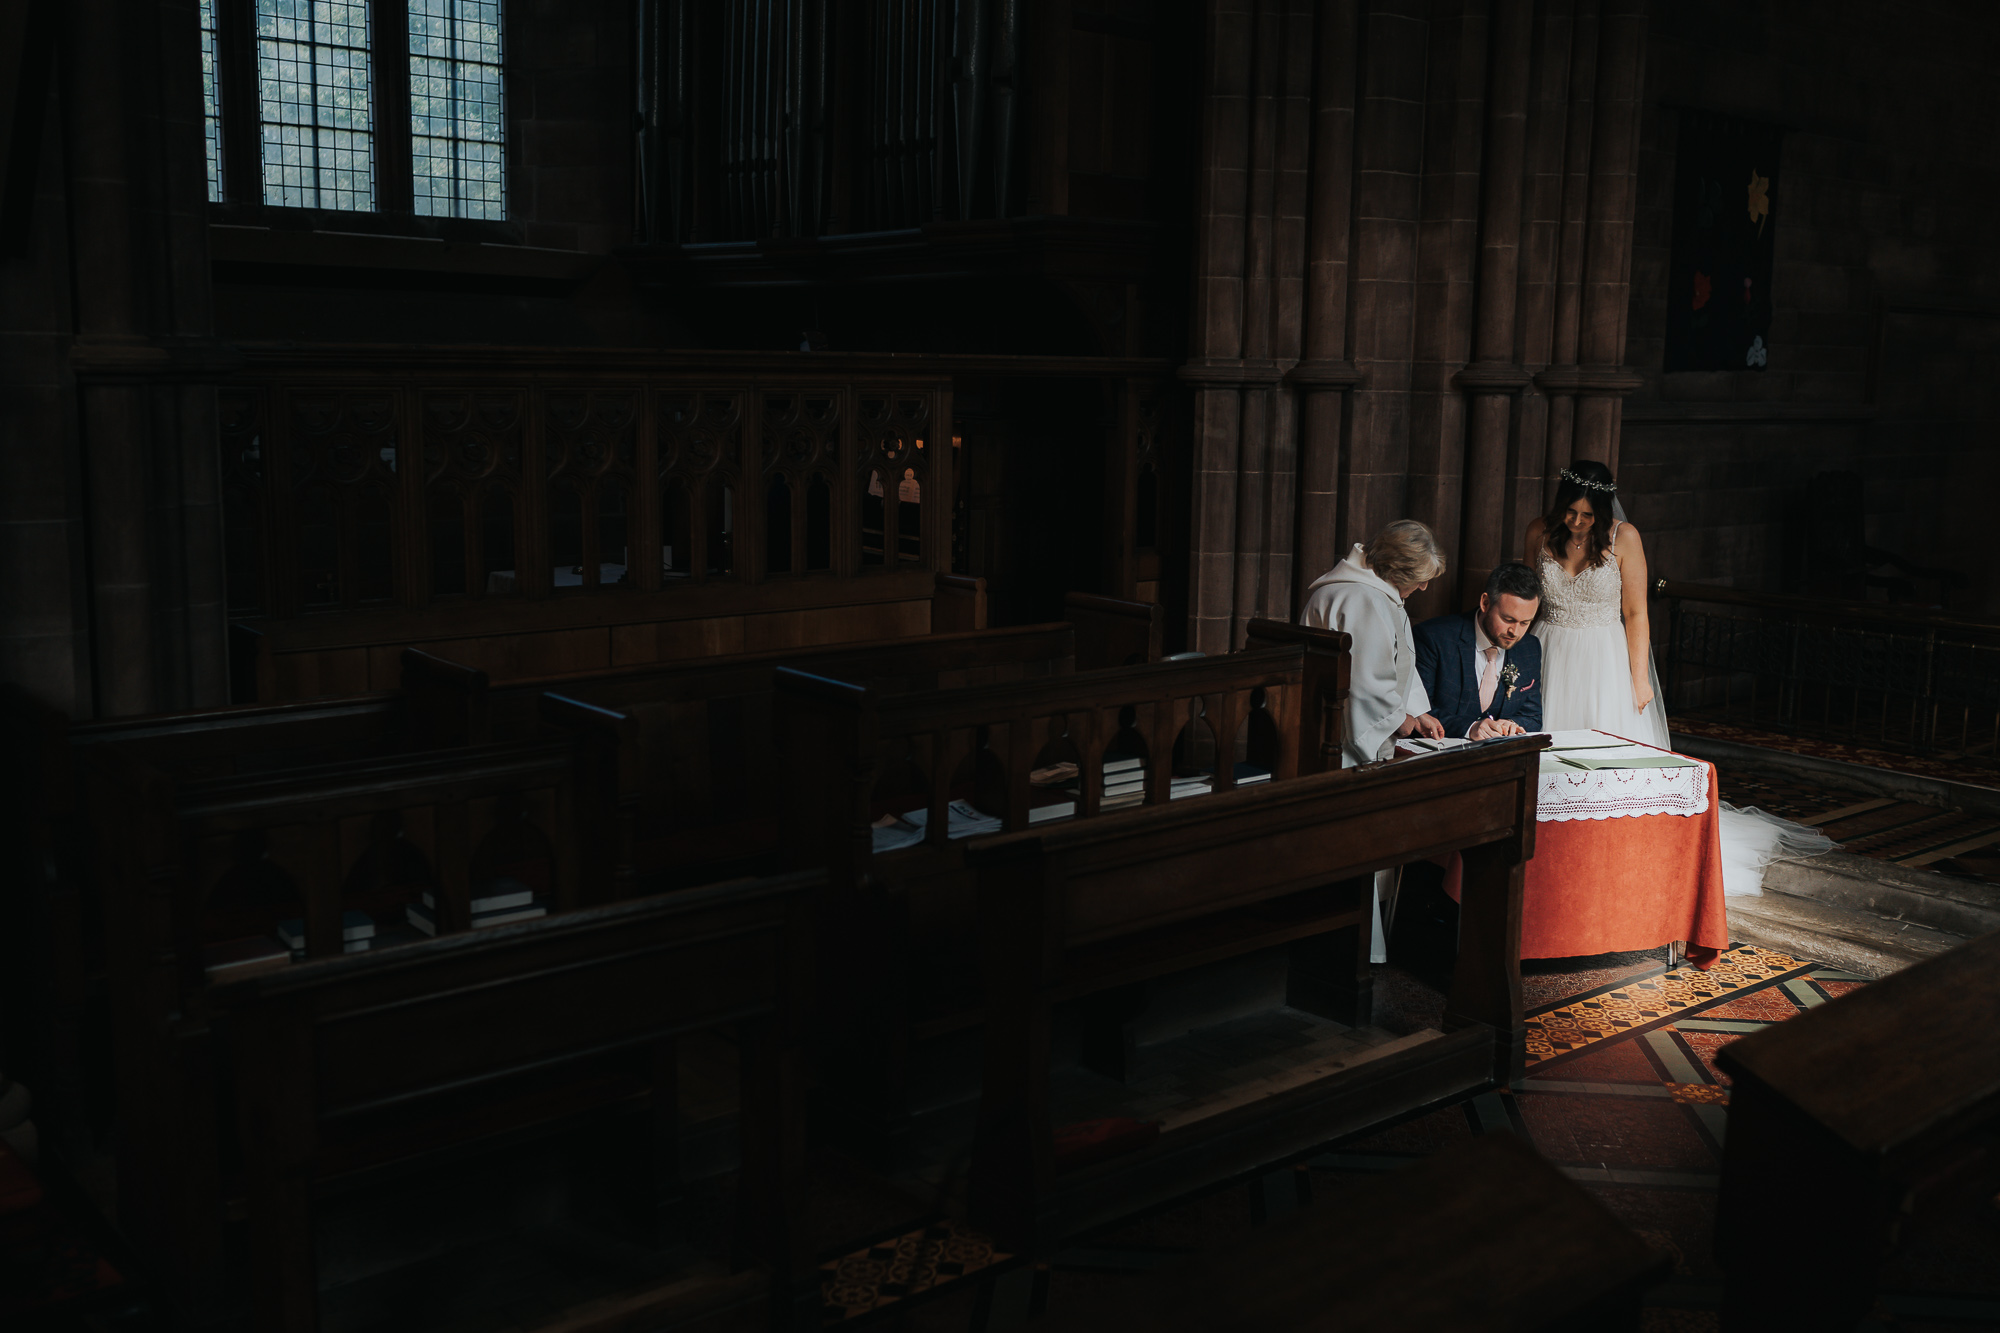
1853 939
1952 903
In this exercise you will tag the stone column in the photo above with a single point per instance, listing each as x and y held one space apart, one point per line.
1389 157
44 610
1259 277
141 356
1288 254
1214 370
1567 331
1324 375
1447 266
1494 376
1541 244
1614 179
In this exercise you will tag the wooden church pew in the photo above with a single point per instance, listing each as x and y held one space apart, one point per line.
312 657
698 773
701 777
1327 670
1886 1100
901 961
205 861
1073 910
358 1064
438 703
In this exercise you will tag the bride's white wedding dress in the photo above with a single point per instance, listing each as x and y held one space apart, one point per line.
1587 683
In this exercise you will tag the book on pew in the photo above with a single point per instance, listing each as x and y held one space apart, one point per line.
1201 784
966 820
1122 775
504 896
892 833
356 928
230 959
423 915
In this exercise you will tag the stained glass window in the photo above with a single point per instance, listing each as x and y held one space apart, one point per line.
457 146
211 106
313 100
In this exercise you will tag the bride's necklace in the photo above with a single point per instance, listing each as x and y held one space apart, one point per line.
1581 547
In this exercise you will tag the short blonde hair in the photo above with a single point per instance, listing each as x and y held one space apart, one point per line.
1405 554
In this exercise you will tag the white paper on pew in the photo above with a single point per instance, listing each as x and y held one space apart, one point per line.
966 820
894 834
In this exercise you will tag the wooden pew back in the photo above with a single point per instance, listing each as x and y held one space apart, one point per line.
1111 631
1076 909
437 703
1887 1098
1327 670
513 640
843 740
351 1063
900 938
203 860
705 764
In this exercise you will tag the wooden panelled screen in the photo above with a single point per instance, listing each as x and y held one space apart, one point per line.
356 479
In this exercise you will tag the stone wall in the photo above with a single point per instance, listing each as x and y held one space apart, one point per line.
110 527
1415 232
1887 292
1476 292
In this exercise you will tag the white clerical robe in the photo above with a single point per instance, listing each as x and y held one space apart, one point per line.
1384 687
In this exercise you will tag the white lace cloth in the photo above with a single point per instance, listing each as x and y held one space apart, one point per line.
1568 793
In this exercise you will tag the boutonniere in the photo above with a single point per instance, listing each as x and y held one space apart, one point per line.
1508 675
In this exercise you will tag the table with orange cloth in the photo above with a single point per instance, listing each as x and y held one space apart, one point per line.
1624 859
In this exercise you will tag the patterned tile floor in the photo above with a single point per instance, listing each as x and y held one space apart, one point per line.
1624 1096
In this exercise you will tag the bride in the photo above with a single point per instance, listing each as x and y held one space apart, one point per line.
1597 652
1597 655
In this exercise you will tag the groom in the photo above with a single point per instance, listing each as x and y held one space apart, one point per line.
1483 670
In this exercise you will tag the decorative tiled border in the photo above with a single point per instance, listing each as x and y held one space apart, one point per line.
1643 1002
901 1267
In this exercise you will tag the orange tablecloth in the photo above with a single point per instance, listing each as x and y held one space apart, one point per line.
1637 882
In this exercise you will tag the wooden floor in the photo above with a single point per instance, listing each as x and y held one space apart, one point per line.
1952 842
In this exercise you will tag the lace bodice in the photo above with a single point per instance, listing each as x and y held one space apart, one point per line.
1591 600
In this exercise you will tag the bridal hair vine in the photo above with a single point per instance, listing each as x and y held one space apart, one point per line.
1587 484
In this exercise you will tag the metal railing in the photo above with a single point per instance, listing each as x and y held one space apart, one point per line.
1849 672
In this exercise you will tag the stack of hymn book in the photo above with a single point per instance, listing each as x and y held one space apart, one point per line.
1124 787
498 904
357 932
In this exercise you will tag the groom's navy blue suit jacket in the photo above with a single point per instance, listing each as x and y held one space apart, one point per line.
1448 662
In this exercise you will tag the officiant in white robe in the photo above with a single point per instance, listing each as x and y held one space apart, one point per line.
1363 596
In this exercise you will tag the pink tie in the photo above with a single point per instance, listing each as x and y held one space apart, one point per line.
1489 679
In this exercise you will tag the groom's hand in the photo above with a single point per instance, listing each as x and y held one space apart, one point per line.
1488 727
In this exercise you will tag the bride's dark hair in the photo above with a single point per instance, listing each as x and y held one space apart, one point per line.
1586 479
